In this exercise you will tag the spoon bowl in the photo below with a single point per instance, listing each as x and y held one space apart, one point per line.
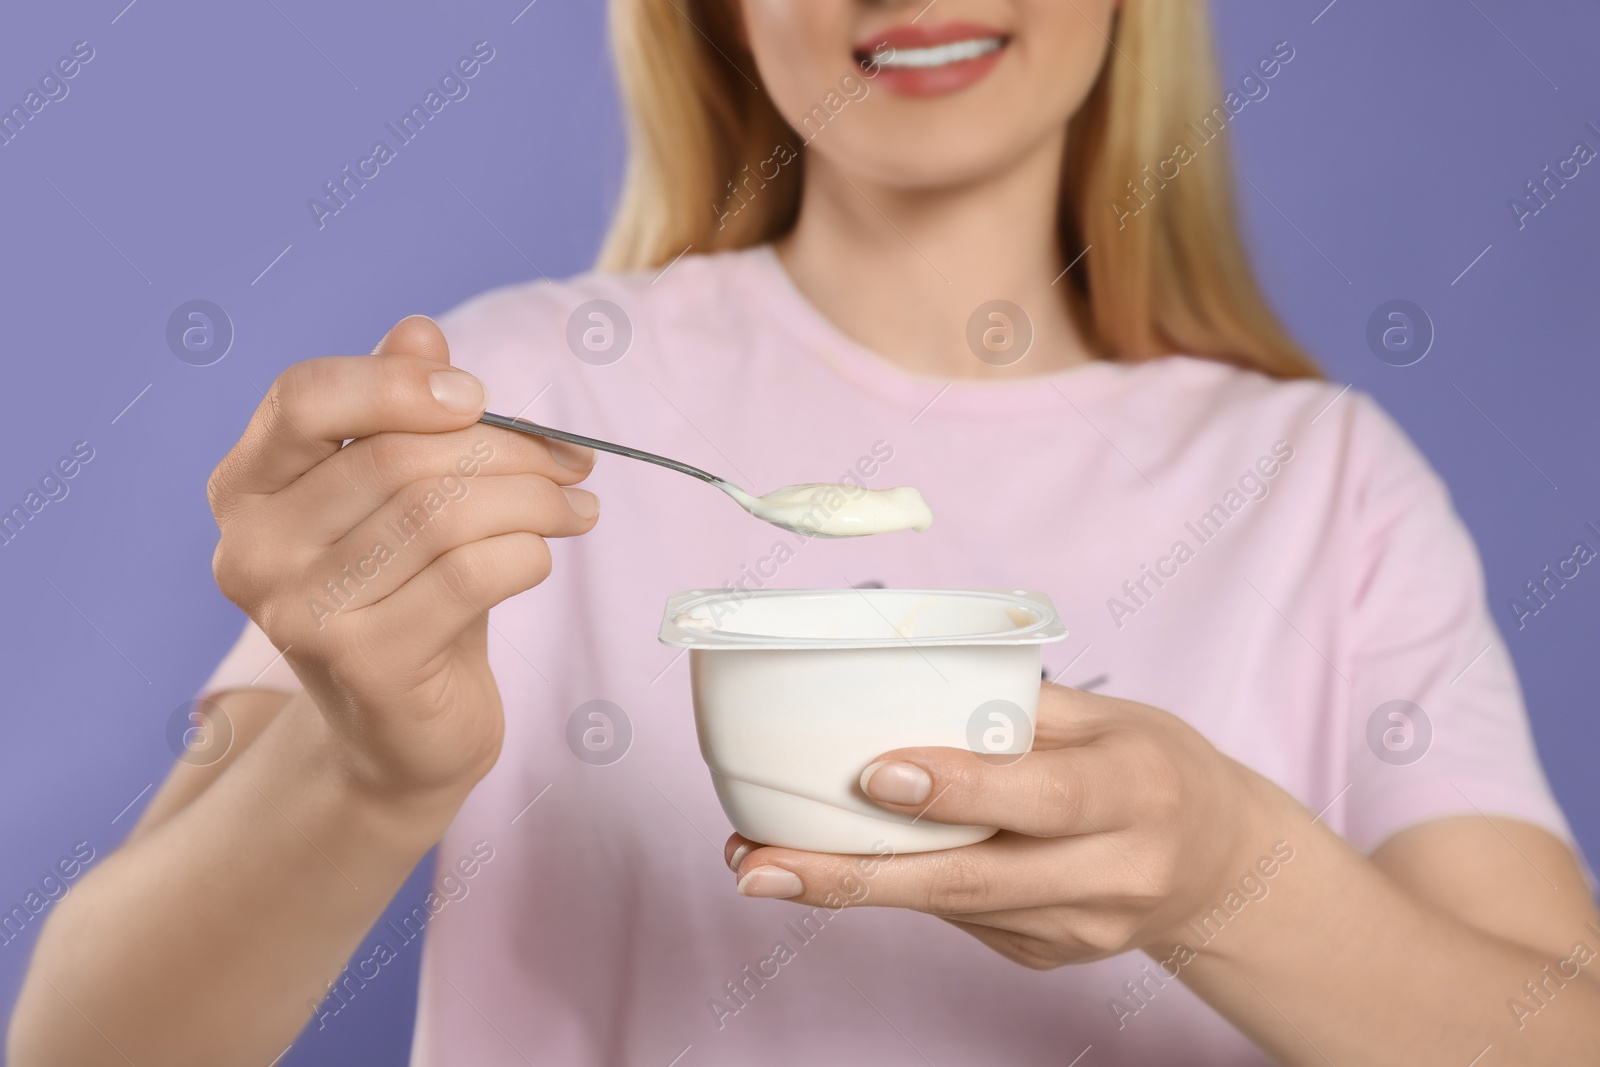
861 511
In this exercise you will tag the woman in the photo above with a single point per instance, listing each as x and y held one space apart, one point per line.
1298 819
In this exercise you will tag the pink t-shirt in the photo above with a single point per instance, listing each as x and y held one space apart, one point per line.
1273 562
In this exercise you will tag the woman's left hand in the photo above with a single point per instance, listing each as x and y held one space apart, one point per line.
1119 825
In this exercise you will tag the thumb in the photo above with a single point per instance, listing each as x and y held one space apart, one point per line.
415 335
1070 716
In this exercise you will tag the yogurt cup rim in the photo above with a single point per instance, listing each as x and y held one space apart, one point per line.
1045 627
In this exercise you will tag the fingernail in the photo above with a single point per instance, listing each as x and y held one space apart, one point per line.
583 502
738 857
576 457
896 783
770 882
458 391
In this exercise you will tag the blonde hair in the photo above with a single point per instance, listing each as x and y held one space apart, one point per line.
1173 279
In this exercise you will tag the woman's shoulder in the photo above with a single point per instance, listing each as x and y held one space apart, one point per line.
1231 394
692 277
1220 387
602 333
1345 430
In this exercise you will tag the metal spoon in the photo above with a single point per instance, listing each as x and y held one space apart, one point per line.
745 500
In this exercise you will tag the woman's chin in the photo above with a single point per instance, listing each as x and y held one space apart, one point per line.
902 159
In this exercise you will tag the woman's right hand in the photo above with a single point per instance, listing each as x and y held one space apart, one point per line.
372 566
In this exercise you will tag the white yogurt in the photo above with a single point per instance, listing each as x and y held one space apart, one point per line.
799 689
840 510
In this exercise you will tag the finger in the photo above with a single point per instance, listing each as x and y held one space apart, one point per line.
1044 794
420 524
421 336
454 591
736 849
1008 871
415 335
316 405
328 501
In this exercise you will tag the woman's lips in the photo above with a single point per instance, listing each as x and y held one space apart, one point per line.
927 61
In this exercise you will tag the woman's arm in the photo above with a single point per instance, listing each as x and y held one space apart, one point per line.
1124 829
248 713
1461 938
210 936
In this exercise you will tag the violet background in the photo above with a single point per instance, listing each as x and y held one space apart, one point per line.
179 166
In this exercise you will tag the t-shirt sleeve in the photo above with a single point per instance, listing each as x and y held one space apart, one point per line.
1438 726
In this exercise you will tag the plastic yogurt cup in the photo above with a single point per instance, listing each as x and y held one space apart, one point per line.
797 691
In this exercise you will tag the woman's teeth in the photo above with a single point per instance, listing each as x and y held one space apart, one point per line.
940 55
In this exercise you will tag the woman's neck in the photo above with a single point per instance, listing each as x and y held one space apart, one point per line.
902 271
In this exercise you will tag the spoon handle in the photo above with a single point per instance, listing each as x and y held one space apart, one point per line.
507 422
